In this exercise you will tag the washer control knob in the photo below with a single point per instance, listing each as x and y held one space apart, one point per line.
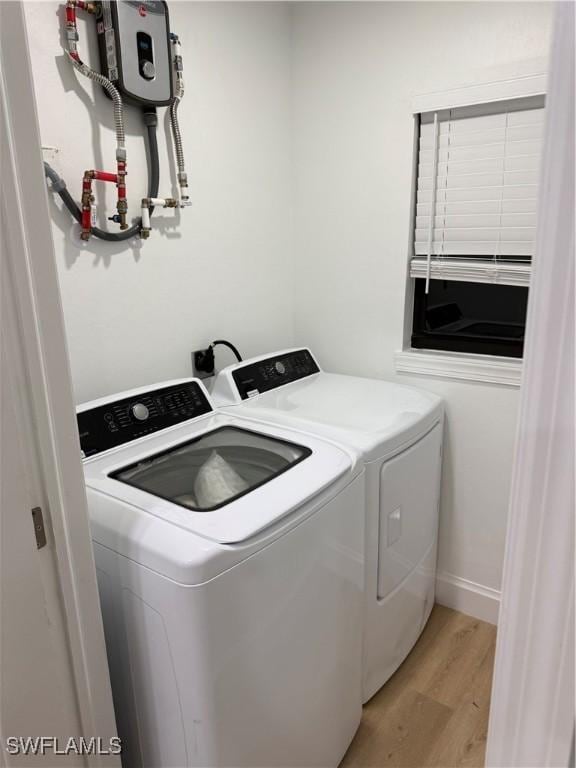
140 411
280 367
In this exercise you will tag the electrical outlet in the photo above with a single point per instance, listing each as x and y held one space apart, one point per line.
203 363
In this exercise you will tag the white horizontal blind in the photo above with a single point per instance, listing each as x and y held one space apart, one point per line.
472 270
484 194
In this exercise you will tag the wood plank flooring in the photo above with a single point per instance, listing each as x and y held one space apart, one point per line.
433 712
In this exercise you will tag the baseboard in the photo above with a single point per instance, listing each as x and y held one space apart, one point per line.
468 597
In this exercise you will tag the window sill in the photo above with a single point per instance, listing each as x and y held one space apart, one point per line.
486 369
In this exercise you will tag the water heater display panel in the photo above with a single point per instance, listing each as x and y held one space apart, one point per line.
135 50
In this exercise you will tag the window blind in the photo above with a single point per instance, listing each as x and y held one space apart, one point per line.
473 270
477 190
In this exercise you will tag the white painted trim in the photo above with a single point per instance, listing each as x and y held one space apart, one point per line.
32 263
487 369
481 93
532 711
473 270
468 597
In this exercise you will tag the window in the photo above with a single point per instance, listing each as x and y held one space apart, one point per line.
452 316
475 223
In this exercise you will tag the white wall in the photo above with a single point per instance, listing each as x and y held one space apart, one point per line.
133 315
356 68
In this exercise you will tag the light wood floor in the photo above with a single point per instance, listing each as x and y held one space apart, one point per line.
433 712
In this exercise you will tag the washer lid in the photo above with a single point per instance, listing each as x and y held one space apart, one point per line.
210 471
372 416
221 478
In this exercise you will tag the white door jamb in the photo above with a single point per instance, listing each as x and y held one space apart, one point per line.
532 712
31 260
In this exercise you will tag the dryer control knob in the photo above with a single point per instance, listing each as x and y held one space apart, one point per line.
280 367
140 412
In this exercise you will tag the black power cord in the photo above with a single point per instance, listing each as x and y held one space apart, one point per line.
225 343
204 358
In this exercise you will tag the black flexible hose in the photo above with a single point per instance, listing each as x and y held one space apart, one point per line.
151 121
59 186
225 343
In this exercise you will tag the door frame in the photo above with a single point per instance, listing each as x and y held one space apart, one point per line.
532 711
32 263
535 638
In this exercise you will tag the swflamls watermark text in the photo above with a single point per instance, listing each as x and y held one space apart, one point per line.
75 745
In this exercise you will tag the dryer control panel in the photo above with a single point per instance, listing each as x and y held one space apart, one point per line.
264 375
121 421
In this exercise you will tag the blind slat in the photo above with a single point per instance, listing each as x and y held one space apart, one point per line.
478 234
468 221
482 165
512 192
526 132
471 180
482 151
475 248
485 116
473 271
460 207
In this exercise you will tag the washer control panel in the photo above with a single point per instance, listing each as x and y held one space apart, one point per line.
255 378
120 421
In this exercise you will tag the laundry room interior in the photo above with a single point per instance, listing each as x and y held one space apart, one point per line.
295 253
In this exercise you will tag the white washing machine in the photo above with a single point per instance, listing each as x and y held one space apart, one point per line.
230 565
397 430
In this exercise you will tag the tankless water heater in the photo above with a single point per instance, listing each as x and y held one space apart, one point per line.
134 39
141 64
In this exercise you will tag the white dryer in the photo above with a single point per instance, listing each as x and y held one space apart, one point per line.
397 430
230 565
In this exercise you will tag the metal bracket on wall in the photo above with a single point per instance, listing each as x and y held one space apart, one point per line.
39 531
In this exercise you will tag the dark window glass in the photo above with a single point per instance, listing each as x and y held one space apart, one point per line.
481 318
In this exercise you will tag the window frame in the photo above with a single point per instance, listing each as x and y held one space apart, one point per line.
460 365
